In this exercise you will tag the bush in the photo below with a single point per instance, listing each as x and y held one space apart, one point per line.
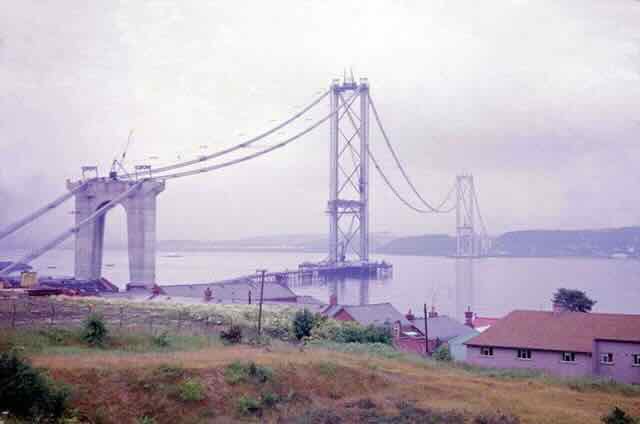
303 322
146 420
248 405
232 335
351 332
191 390
162 339
618 416
27 392
237 372
442 353
94 330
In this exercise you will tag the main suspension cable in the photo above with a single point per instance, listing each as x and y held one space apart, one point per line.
397 161
243 144
261 152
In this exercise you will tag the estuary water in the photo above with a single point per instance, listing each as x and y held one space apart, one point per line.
490 286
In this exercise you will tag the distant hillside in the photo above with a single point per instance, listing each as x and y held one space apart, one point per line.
596 243
531 243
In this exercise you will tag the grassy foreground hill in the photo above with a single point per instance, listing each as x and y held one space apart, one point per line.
201 383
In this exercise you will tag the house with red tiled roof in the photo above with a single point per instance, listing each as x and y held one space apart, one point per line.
569 344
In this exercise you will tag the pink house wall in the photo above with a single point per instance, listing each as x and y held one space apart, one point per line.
540 360
622 368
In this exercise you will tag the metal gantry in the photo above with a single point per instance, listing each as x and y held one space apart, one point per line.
471 235
348 206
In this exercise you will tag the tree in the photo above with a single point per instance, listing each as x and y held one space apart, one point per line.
303 322
573 300
618 416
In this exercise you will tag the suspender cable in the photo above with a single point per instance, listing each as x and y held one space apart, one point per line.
261 152
56 241
37 214
243 144
397 161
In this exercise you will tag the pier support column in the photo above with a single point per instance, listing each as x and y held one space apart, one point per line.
141 229
140 208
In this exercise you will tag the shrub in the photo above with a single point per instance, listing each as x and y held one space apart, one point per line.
146 420
191 390
162 339
618 416
442 353
237 372
351 332
248 405
27 392
269 399
303 322
94 330
232 335
498 418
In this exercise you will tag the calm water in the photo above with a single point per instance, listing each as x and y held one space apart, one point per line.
493 286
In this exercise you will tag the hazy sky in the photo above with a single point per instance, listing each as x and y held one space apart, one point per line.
540 100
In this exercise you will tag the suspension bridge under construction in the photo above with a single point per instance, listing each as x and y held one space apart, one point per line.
351 108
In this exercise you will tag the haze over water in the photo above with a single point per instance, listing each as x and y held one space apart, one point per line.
499 284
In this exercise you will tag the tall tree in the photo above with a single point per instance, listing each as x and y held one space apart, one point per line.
573 300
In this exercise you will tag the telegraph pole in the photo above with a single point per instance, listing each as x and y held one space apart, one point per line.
426 331
262 272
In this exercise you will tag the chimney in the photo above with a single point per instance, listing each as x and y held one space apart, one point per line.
468 317
433 313
333 300
410 317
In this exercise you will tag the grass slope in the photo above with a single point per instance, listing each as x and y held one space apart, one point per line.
310 385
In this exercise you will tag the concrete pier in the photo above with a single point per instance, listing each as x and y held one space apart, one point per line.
140 208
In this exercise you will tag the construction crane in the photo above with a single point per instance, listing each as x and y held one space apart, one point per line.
113 173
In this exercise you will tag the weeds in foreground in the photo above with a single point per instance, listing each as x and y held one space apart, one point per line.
191 390
238 372
94 330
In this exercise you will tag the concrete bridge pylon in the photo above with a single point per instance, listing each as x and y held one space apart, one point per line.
140 209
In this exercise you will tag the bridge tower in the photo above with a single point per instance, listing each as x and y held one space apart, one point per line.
466 238
348 205
140 208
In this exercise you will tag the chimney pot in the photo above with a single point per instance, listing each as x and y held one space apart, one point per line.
468 317
410 317
433 313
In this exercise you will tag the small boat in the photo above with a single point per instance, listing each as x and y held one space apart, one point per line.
109 265
52 267
172 255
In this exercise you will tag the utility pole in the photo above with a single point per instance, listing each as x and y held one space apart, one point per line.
426 331
261 271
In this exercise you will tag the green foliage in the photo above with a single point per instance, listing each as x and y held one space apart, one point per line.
27 392
269 399
442 353
374 349
232 335
146 420
169 371
191 390
162 339
618 416
351 332
94 330
238 372
304 321
248 405
573 300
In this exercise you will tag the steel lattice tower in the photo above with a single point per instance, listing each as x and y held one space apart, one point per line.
467 239
348 205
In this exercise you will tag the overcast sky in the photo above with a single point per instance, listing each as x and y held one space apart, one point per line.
540 100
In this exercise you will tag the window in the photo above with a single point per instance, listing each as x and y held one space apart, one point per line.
568 357
636 359
606 358
486 351
524 354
